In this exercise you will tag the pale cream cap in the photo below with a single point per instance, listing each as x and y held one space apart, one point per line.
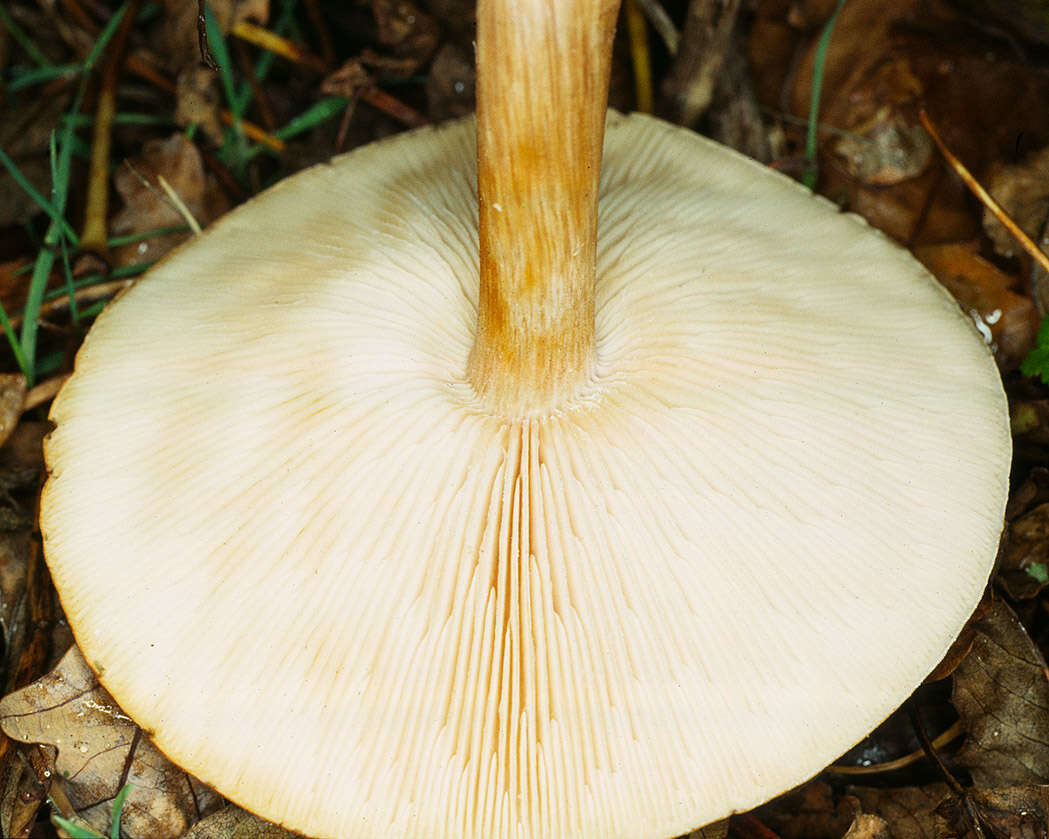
328 581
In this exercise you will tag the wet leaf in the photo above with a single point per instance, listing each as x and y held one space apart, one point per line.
1002 695
99 750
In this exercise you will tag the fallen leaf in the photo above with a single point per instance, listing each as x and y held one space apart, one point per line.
810 812
231 822
1008 813
883 143
22 796
910 812
146 207
1007 320
99 749
1001 694
867 826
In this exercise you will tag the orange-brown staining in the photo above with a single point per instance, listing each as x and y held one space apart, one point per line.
537 182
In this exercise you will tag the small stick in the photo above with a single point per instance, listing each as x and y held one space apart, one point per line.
96 212
985 197
404 114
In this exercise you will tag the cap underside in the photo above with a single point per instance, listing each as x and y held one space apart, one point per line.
303 555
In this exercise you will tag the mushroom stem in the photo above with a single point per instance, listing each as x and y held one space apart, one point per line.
542 93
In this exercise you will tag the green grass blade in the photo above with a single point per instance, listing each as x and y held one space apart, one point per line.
217 43
313 116
118 806
811 137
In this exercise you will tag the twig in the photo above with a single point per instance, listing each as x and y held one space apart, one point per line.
985 197
639 54
96 212
404 114
87 294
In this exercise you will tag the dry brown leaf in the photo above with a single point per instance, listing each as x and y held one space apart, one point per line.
866 826
884 143
147 208
1024 543
99 750
1001 694
910 812
810 812
1007 319
233 823
1009 813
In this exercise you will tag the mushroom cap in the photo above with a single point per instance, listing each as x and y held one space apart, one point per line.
328 580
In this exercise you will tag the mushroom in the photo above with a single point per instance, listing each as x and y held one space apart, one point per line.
387 519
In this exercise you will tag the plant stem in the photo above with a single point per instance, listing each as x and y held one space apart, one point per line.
542 94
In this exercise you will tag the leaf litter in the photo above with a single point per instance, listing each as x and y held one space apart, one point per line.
369 68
